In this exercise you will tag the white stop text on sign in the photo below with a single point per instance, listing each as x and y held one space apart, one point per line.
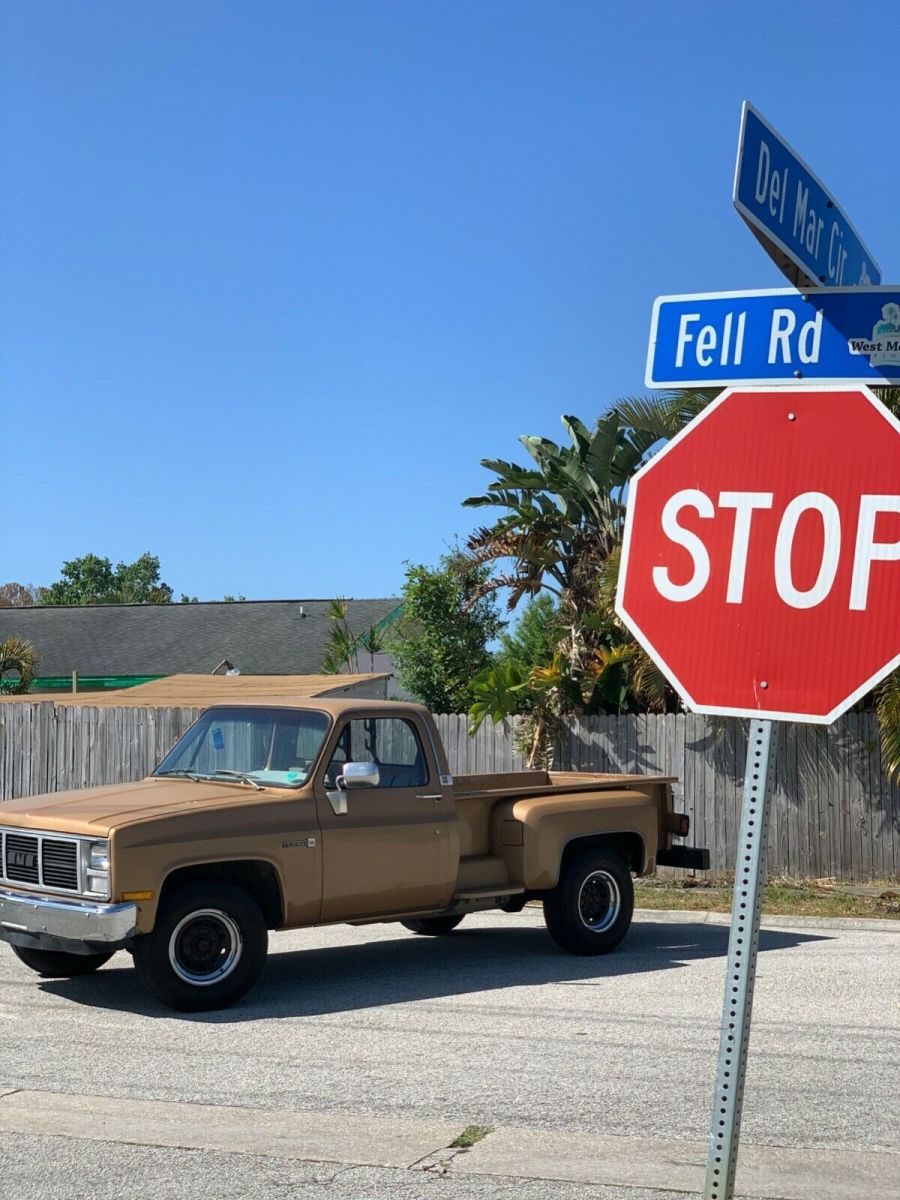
744 505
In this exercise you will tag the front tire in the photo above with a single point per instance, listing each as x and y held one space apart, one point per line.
590 909
207 949
60 964
432 926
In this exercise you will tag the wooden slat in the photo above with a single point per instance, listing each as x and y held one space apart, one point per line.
873 806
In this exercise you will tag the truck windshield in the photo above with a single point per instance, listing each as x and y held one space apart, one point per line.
271 747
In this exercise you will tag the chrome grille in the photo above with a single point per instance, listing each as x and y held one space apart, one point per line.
40 860
59 861
21 858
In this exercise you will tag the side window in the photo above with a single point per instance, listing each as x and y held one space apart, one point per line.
391 742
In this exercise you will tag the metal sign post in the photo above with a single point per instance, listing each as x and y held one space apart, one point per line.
743 944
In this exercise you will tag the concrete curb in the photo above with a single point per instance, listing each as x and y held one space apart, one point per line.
686 916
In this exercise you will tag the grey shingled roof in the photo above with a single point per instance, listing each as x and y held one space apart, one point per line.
261 637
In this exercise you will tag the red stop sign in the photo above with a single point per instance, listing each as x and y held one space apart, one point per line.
761 557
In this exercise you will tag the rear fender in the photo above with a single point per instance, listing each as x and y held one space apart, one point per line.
550 827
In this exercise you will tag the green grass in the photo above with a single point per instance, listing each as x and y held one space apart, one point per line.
782 897
470 1135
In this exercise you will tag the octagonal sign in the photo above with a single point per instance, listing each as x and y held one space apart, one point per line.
761 557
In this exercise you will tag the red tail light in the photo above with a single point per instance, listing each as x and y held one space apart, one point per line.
678 823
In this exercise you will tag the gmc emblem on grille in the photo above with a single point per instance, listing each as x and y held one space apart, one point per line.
22 858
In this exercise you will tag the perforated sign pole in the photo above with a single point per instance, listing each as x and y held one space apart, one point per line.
743 944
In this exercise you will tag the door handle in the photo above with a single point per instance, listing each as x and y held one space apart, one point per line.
437 798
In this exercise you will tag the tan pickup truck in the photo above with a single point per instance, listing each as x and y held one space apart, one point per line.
280 815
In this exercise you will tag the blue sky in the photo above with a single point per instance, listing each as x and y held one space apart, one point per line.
275 277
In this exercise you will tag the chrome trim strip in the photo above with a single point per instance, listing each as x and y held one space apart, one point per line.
70 920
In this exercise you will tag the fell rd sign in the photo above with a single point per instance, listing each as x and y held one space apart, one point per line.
761 556
801 227
828 335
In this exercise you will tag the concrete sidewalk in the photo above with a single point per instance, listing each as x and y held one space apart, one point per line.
361 1140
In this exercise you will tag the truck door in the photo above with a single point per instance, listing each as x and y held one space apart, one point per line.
391 850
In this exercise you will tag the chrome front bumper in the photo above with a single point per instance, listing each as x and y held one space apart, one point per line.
76 926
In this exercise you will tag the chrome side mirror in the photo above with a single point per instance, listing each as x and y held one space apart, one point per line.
359 774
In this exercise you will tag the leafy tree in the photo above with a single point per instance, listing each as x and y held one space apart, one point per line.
19 595
441 641
20 658
93 580
139 582
184 598
534 640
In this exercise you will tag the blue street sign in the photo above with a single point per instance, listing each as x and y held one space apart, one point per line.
789 210
825 335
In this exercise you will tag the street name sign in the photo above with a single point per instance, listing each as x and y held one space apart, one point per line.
791 213
761 555
824 335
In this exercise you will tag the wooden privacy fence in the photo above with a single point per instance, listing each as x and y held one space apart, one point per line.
45 748
834 812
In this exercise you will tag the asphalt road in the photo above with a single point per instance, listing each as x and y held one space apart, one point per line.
491 1026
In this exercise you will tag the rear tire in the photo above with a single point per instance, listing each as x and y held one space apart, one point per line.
433 926
589 911
207 949
60 964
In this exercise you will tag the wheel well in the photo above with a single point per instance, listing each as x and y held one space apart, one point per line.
258 879
628 846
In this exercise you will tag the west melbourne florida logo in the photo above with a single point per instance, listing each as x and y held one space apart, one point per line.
883 349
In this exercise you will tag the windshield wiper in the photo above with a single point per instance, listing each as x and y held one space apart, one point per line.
242 775
184 774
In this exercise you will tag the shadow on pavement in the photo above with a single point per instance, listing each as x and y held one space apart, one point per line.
399 969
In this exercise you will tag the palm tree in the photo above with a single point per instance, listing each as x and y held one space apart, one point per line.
564 515
20 657
887 712
340 645
561 527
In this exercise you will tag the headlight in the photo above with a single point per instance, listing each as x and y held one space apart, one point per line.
99 856
95 867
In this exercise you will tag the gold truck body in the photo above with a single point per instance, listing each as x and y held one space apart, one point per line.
342 834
